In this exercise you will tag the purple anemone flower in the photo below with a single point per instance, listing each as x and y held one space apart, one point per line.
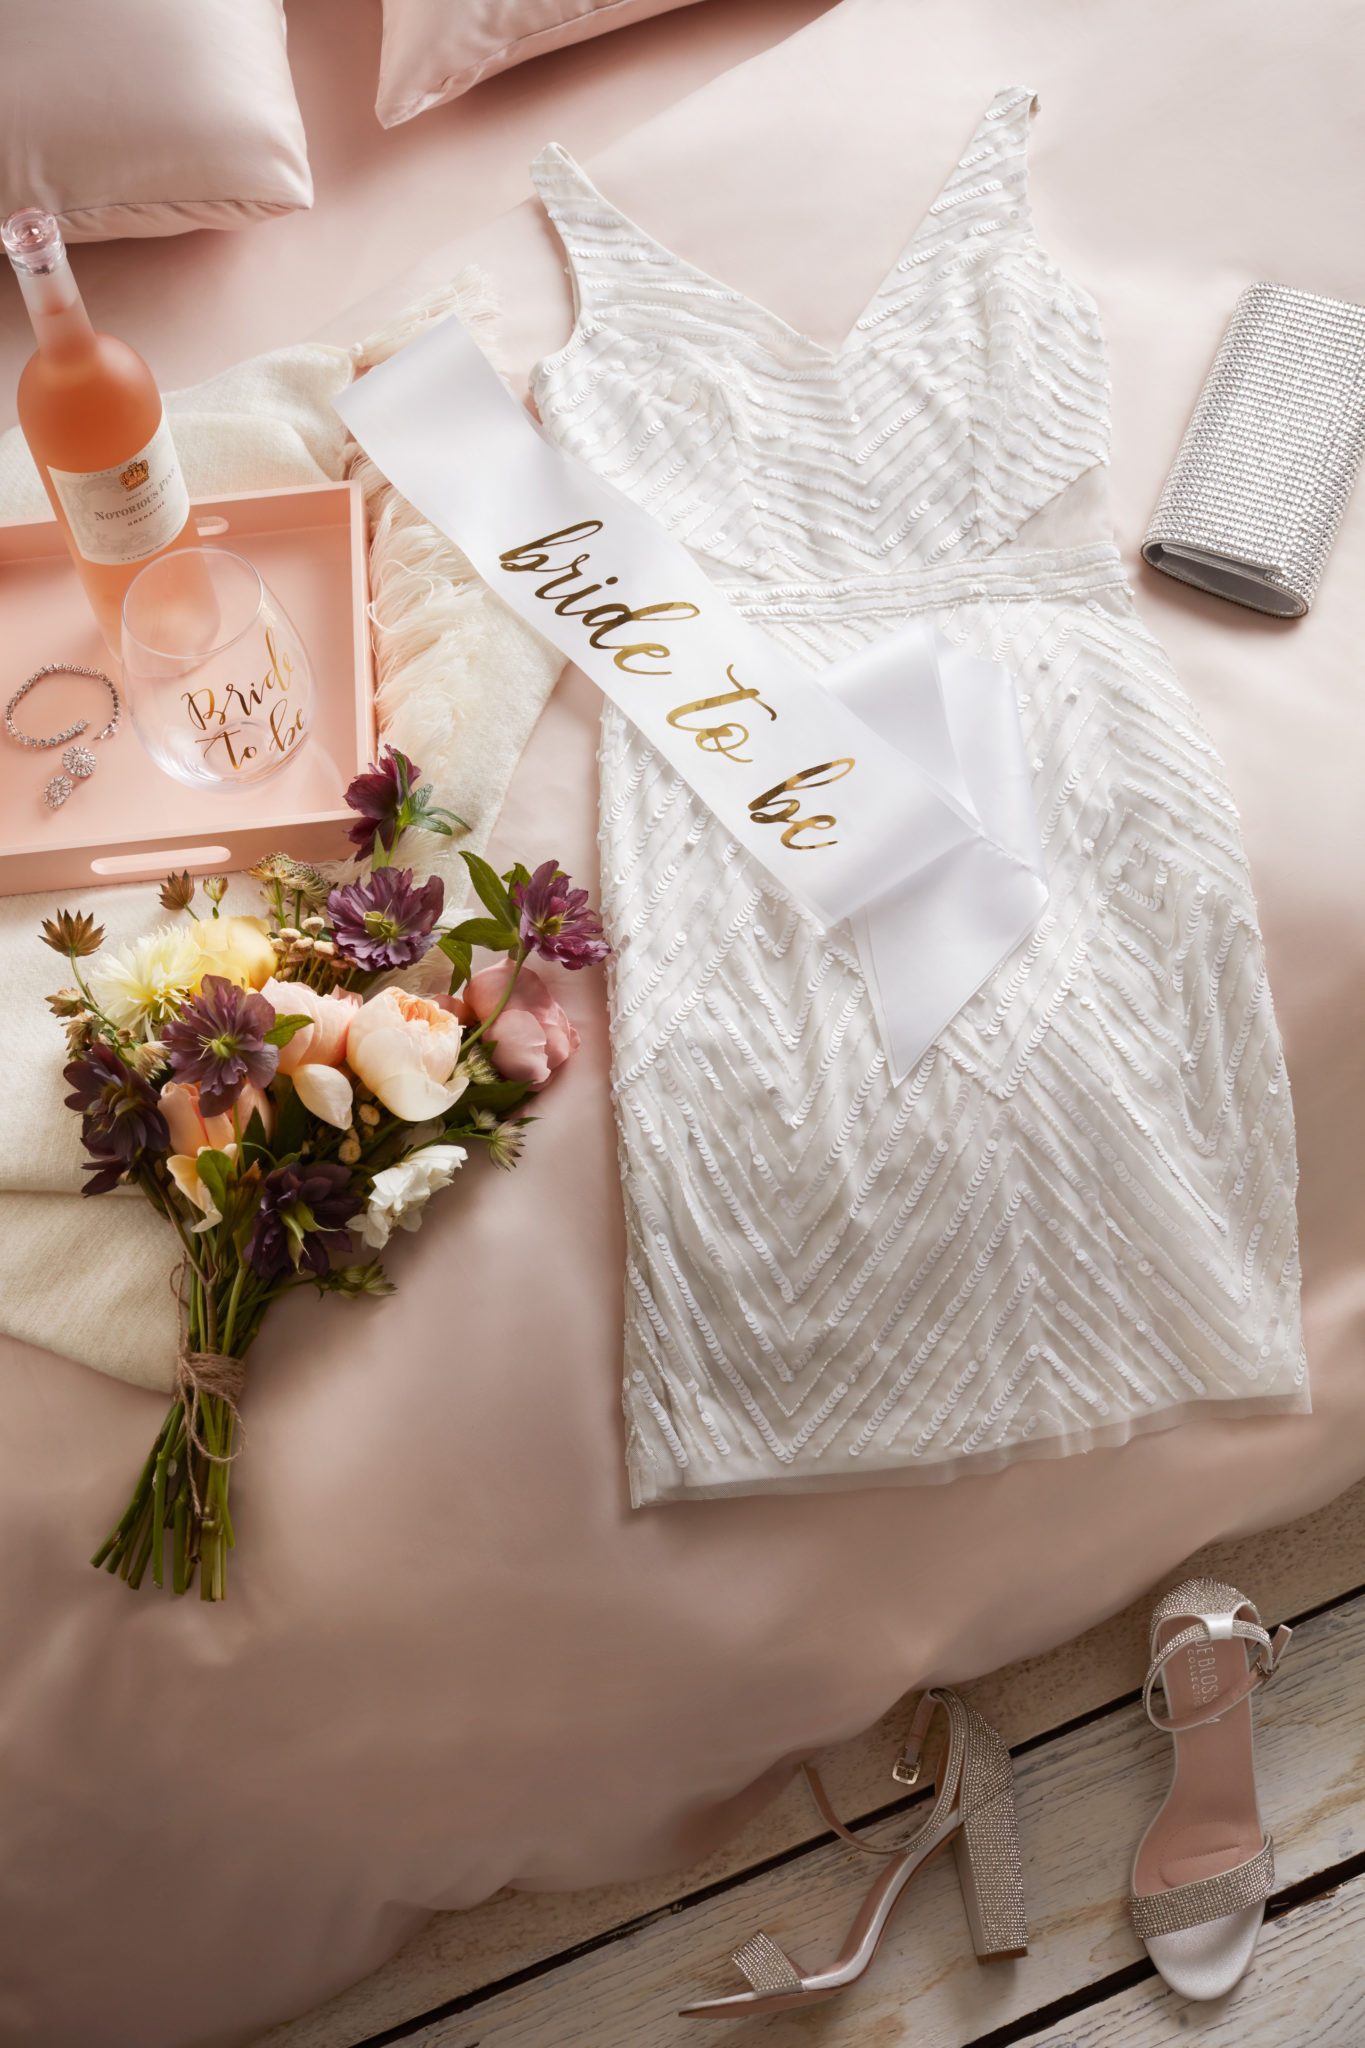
119 1115
105 1168
379 795
556 920
218 1040
384 921
302 1218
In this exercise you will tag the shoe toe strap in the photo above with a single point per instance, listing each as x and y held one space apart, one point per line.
767 1967
1208 1898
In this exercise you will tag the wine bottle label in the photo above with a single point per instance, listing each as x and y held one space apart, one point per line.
124 514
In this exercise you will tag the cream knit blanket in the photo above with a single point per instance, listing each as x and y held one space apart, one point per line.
461 684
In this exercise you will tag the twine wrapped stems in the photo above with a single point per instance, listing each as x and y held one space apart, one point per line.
183 1487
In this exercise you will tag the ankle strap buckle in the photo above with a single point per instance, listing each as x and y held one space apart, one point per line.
909 1764
1269 1659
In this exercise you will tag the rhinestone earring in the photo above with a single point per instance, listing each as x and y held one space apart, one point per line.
78 761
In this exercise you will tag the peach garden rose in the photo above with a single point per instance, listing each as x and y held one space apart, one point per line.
322 1042
405 1049
316 1055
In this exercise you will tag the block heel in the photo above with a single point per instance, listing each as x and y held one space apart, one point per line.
991 1874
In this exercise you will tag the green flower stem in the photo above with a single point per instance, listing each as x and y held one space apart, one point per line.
212 1574
133 1511
159 1510
135 1561
176 1472
230 1320
90 1002
180 1563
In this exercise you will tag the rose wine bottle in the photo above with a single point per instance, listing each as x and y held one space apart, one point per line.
93 420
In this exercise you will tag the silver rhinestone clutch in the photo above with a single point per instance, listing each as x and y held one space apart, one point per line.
1256 494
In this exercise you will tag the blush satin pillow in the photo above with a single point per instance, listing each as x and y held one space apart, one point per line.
147 117
436 49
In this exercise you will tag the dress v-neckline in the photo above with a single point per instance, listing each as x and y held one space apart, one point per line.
1007 97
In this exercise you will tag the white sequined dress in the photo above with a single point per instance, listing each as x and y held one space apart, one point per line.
1075 1219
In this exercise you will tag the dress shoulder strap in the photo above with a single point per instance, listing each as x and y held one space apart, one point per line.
562 184
603 246
989 183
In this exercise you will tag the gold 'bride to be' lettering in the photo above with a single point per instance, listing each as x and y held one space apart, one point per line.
602 618
777 806
222 722
720 739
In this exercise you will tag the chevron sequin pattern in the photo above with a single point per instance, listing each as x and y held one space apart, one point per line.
1076 1217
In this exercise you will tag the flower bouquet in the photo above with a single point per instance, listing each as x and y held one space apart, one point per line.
277 1095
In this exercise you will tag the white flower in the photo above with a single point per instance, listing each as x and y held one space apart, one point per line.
327 1092
400 1193
144 984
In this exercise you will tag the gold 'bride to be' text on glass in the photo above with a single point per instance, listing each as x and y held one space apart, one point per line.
220 713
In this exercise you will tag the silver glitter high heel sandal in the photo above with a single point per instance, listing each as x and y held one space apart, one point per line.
1204 1869
974 1810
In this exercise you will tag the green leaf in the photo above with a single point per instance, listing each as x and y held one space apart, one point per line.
461 961
491 891
285 1028
291 1124
517 877
497 1095
487 931
215 1170
255 1144
354 1281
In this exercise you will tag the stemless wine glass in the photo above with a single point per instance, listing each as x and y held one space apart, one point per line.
217 679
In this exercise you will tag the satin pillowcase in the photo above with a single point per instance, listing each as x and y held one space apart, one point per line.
148 117
436 49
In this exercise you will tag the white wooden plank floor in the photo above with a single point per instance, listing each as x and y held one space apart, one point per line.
500 1976
1305 1987
1084 1798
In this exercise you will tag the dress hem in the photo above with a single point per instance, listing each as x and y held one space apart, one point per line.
645 1491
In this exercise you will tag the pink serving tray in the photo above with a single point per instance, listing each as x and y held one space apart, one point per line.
129 821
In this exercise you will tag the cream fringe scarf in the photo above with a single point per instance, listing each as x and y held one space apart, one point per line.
461 683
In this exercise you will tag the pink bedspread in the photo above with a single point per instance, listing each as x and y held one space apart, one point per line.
453 1658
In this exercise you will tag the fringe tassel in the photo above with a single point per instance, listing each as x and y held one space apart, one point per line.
461 680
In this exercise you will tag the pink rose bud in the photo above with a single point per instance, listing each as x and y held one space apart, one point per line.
532 1037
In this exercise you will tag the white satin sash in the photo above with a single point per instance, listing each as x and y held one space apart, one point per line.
927 945
892 791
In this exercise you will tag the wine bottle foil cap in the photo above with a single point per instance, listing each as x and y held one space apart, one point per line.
33 240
